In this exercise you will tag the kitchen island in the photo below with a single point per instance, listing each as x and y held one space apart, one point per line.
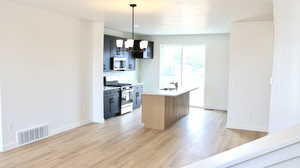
162 108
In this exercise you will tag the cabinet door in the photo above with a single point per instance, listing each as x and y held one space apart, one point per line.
138 90
112 103
139 96
106 54
150 50
131 61
135 90
116 104
107 107
115 52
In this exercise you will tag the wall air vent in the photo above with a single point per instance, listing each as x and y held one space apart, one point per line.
32 135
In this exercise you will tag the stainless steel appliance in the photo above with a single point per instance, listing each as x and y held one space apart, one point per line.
126 99
119 63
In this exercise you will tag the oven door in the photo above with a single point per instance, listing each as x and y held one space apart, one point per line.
119 64
127 95
127 100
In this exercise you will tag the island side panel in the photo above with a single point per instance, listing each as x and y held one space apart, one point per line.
176 108
170 113
153 111
183 104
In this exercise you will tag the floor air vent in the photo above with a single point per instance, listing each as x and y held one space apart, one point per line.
32 135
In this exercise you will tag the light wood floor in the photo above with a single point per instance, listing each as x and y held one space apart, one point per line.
123 142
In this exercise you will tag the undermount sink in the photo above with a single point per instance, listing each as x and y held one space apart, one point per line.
168 89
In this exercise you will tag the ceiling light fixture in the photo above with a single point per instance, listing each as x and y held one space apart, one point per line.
129 44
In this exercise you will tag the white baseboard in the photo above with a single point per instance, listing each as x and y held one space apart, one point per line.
247 128
51 133
214 108
68 127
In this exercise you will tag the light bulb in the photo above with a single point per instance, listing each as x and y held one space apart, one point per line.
143 44
129 43
119 43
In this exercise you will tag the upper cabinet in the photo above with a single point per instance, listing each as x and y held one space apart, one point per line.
130 61
112 51
147 54
107 53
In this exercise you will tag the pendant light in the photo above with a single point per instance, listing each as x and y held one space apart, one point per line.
119 43
129 44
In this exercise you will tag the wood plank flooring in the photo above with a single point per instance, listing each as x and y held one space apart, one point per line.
123 142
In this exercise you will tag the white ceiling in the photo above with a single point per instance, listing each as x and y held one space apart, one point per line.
163 16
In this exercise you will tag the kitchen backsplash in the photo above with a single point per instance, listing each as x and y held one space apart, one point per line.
126 76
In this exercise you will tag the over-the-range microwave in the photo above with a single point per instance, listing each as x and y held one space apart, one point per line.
119 63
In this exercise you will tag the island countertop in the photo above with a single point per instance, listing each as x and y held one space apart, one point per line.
170 93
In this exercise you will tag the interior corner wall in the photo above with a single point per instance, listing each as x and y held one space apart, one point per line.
217 55
250 71
285 100
46 70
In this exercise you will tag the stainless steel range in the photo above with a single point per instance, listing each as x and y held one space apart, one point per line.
126 99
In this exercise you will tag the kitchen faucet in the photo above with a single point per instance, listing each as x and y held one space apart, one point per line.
175 84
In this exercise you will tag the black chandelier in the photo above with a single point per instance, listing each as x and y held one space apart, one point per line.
129 43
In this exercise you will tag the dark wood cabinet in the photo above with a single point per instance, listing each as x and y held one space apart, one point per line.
130 61
112 103
111 51
147 54
107 54
114 51
150 50
137 96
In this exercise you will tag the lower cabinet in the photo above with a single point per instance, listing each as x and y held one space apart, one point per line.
137 96
112 103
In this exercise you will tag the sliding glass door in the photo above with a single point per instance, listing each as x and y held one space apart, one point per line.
193 72
185 65
170 65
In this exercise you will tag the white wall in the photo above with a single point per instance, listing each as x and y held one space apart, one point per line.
293 163
124 76
1 136
217 53
46 70
96 46
250 71
285 105
217 67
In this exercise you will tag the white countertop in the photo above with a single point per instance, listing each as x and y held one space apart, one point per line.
137 84
179 91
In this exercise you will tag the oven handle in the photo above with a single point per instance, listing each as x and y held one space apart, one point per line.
127 90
